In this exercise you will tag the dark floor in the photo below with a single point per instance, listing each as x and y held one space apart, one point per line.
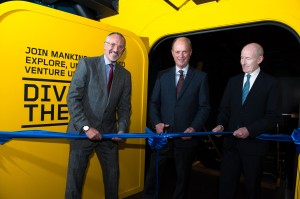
204 185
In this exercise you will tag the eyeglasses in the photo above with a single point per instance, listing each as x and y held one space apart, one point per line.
113 45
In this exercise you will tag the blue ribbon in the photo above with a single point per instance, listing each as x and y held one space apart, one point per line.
7 136
158 140
295 137
155 140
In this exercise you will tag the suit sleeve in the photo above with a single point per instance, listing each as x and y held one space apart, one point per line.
75 96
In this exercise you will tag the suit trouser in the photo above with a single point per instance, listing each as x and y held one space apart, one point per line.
233 164
183 158
80 151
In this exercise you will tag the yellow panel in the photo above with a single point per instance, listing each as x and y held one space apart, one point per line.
297 187
40 48
156 19
178 3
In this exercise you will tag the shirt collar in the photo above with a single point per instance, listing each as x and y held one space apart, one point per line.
185 69
254 73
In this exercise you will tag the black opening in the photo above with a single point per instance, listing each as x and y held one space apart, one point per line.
217 52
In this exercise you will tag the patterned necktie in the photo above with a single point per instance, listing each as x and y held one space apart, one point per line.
180 82
110 77
246 88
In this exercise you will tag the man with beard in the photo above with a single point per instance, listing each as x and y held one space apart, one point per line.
98 102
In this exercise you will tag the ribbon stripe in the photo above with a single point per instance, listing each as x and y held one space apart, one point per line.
155 140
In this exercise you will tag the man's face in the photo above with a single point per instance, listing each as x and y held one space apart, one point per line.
181 53
114 48
250 60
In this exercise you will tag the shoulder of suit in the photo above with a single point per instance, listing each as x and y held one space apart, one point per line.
166 71
267 76
92 58
238 76
121 68
198 73
236 79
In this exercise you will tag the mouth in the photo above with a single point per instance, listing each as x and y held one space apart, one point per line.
113 52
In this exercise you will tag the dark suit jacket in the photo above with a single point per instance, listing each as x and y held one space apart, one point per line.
89 103
191 109
259 114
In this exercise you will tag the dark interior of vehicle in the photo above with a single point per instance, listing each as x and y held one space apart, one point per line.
217 52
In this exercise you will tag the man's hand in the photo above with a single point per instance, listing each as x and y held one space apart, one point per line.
93 134
188 130
241 133
118 139
159 128
218 128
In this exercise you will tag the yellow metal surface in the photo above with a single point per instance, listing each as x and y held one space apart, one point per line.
156 19
297 186
40 48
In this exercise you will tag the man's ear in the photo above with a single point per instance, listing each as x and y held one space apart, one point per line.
260 59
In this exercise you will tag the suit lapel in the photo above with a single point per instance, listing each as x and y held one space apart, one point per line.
115 88
116 79
170 84
101 76
100 69
258 83
239 88
98 81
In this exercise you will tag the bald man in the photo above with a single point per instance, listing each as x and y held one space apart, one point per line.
251 105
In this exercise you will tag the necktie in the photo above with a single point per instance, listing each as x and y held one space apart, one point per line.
180 82
110 77
246 88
